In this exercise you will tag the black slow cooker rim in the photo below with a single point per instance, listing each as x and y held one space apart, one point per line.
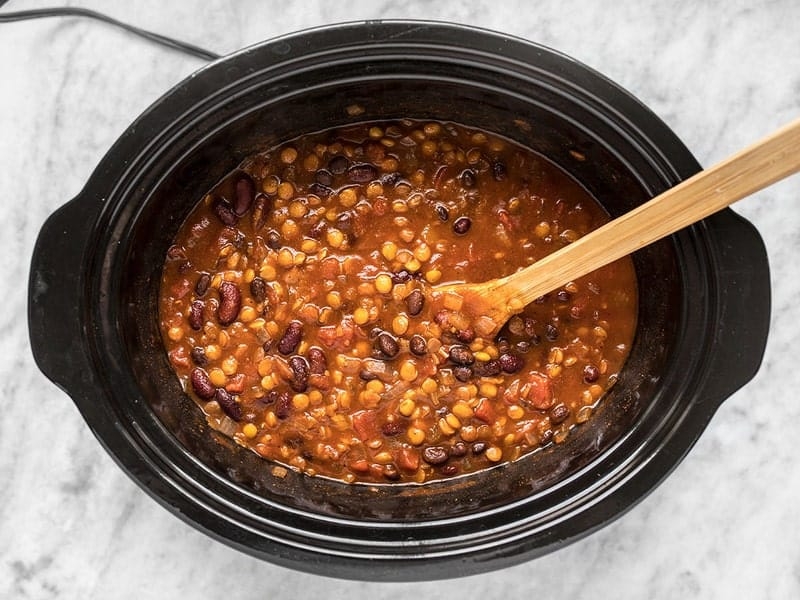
161 473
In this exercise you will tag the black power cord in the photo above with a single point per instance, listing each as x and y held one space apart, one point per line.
23 15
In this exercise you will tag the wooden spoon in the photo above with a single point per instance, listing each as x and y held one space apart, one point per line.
490 304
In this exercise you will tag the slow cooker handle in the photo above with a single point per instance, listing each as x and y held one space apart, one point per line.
743 281
55 297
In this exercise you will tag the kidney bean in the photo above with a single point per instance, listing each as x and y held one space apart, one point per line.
245 194
300 373
461 225
291 338
230 302
258 289
196 314
435 455
362 173
317 361
224 212
551 332
418 345
591 373
228 404
387 344
203 282
283 405
510 363
559 414
449 469
366 375
198 355
461 355
201 384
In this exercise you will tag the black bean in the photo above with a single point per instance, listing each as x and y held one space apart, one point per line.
201 384
291 338
196 314
344 221
547 437
458 449
228 404
390 472
479 447
199 357
522 346
414 302
202 285
367 375
490 368
563 296
498 170
245 194
323 191
387 344
462 373
461 225
271 397
362 173
558 414
435 455
300 372
461 355
258 289
529 326
418 345
389 179
551 332
324 177
510 363
468 178
317 361
402 276
283 405
318 229
591 373
224 211
442 212
338 164
273 240
392 428
230 301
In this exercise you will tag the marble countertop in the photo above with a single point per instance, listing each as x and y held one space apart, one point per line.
725 524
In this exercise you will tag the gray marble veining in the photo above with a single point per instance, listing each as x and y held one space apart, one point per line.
724 525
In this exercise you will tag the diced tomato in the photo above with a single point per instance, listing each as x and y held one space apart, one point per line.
365 424
408 459
485 411
538 391
177 356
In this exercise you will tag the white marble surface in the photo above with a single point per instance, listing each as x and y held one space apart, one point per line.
726 524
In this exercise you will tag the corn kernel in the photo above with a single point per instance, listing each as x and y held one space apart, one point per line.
348 197
462 410
422 252
300 401
429 385
452 420
389 250
175 333
415 436
433 276
408 371
361 315
515 411
482 356
229 365
297 209
375 385
334 299
285 190
217 377
288 155
309 246
488 389
406 407
494 454
285 258
400 325
542 229
334 237
250 431
383 283
445 427
268 272
247 314
213 352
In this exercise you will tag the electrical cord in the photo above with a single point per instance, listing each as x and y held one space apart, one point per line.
23 15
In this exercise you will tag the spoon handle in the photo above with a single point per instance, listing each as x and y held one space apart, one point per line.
770 159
